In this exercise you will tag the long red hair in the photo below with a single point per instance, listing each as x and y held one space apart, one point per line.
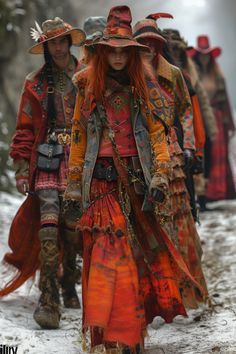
98 68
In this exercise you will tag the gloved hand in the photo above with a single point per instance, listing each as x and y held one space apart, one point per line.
71 203
197 165
155 191
71 208
188 158
157 195
73 191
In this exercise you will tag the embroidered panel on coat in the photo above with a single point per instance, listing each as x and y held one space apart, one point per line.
117 105
64 100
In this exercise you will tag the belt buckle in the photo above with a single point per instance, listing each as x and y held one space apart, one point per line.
109 176
64 138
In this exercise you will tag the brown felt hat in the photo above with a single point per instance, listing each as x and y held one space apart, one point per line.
147 28
53 29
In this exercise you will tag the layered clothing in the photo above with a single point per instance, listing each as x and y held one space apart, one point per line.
220 184
31 130
130 266
209 122
177 210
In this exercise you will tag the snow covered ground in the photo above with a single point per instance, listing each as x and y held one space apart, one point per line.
204 331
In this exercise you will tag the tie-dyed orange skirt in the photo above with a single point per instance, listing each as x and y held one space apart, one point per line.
124 284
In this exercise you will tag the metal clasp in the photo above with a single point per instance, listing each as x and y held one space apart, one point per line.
50 90
109 174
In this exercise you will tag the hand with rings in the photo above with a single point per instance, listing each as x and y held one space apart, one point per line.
22 186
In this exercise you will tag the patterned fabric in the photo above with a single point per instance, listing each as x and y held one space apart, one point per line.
109 270
118 114
21 168
198 128
64 104
181 226
131 270
49 206
54 180
85 112
31 124
174 86
131 298
220 184
31 130
176 210
78 142
206 109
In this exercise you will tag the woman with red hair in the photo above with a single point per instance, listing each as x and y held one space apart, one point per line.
118 169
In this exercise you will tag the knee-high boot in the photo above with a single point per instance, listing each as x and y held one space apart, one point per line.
71 270
47 313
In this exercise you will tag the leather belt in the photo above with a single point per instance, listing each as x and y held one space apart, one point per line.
62 130
101 171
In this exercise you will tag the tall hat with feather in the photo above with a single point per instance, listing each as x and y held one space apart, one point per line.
147 28
53 29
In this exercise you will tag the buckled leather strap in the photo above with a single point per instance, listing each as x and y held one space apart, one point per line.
105 172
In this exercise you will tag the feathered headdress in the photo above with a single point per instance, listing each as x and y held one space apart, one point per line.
36 33
52 29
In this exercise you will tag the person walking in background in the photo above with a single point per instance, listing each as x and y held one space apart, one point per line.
201 104
40 152
176 47
180 225
119 150
220 184
93 27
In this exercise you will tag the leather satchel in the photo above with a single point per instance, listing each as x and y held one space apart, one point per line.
49 157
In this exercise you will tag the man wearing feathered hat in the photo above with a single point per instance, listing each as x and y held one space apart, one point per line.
40 149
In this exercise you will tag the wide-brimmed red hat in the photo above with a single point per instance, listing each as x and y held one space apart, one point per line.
118 31
203 47
52 29
147 28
